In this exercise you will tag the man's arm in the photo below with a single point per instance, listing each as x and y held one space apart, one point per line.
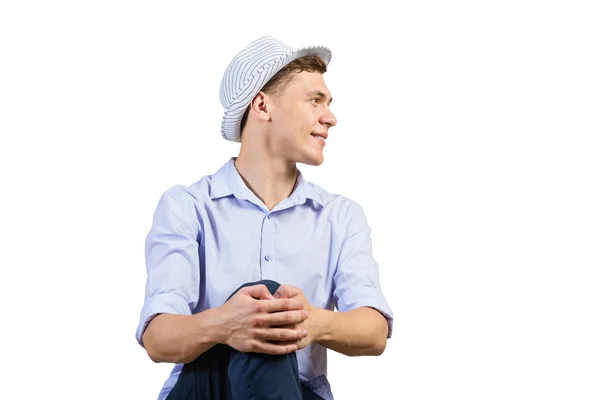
180 339
359 332
364 320
169 329
249 321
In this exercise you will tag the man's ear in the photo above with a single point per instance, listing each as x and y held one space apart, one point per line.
261 106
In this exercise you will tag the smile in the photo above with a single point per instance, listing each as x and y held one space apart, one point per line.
320 138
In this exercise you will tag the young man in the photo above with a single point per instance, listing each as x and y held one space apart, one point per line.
246 266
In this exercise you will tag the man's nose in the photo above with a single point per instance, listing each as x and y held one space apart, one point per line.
329 119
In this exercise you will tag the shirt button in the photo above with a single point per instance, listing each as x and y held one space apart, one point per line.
267 257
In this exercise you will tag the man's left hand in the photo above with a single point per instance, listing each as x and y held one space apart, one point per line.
310 324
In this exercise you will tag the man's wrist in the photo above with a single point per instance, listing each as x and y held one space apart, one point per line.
208 328
322 324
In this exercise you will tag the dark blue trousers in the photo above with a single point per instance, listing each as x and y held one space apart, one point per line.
223 373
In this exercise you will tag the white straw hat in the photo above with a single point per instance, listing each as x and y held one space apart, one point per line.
248 73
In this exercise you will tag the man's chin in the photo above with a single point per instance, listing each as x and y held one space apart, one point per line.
313 161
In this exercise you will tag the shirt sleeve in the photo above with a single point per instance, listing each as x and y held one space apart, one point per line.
172 260
356 278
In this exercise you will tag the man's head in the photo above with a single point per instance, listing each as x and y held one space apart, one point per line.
291 114
276 95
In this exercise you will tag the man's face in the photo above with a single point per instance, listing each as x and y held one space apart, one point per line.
301 119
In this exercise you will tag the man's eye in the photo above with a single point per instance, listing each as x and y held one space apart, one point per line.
314 100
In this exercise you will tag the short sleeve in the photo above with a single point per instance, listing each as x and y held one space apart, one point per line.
172 260
356 278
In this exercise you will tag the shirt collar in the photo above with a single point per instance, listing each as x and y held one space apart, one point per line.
227 181
305 190
220 185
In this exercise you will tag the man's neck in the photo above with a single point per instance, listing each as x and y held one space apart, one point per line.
271 180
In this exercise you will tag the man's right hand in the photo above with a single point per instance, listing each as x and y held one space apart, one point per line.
253 321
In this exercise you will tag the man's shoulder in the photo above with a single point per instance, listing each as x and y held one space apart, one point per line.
197 192
336 203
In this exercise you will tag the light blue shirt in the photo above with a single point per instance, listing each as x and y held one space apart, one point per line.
209 238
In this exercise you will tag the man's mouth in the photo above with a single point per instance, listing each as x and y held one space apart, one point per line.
320 137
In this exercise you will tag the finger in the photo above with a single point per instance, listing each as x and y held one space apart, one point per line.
298 343
270 306
290 326
286 291
284 318
270 348
258 292
281 335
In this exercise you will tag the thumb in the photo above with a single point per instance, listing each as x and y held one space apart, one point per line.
286 292
259 292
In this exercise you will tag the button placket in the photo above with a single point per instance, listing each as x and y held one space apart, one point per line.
267 246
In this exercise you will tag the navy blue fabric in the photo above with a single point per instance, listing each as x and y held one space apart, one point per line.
223 373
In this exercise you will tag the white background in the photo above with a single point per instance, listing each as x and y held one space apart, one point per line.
468 131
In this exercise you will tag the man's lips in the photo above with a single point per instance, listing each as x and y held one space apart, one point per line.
322 135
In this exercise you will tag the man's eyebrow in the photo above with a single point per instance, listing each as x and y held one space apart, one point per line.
319 94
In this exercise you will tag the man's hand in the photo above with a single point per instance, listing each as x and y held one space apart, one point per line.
310 324
255 321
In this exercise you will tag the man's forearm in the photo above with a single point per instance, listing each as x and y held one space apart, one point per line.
359 332
180 339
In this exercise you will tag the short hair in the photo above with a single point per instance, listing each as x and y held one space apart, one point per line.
310 63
